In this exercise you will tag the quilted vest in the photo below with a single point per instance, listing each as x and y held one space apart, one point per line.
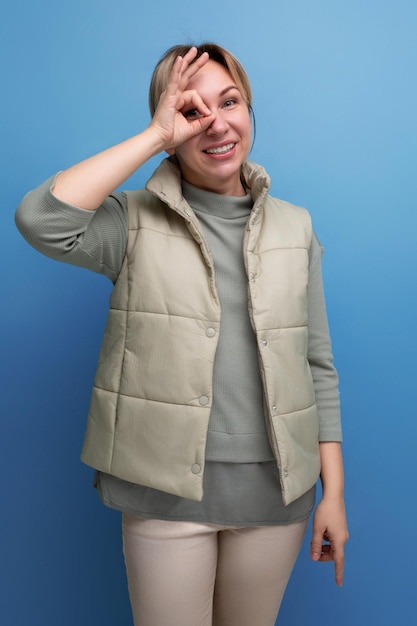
152 395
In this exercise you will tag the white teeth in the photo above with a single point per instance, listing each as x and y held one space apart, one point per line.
221 149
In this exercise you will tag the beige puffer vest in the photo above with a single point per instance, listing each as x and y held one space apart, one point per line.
152 395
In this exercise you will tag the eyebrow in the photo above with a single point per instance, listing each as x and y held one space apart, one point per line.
226 89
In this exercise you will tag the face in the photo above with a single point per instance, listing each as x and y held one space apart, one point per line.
212 159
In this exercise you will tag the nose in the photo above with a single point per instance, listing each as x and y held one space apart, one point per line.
219 125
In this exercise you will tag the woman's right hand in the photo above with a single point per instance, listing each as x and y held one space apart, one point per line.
169 122
88 183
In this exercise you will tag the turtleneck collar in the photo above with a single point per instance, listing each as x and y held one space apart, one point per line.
227 207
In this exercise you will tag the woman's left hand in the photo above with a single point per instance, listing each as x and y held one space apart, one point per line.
330 533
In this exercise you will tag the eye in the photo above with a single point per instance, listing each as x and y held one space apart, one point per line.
232 101
191 113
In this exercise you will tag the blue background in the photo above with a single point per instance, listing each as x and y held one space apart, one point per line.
335 101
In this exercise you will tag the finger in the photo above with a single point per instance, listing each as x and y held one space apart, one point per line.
190 55
326 554
182 71
202 123
175 76
316 545
329 554
192 100
194 66
190 66
339 566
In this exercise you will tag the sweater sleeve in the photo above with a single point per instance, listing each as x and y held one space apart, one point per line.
320 353
95 240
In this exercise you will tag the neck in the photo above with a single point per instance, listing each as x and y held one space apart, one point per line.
224 188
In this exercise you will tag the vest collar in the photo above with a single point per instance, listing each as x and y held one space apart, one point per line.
165 183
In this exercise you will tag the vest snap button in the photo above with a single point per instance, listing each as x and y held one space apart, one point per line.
203 400
195 468
210 332
264 342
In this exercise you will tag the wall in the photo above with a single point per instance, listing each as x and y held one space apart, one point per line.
335 99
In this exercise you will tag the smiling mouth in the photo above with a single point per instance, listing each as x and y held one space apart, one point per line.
220 149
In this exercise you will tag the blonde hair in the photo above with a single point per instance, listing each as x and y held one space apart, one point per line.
162 71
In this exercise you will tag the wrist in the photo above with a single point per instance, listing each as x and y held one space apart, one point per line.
155 139
333 496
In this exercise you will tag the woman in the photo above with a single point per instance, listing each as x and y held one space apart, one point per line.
215 405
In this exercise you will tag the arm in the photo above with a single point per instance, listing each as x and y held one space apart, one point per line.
329 522
330 532
95 240
60 219
89 182
320 353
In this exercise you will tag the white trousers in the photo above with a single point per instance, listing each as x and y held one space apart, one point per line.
195 574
